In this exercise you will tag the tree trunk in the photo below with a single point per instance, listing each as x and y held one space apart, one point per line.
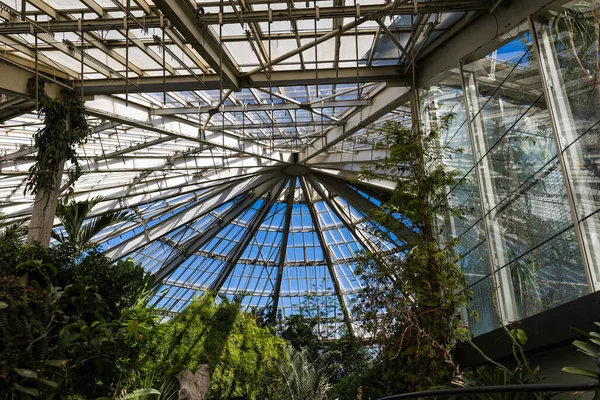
44 206
194 386
44 211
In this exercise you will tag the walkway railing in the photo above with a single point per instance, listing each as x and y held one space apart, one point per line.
466 393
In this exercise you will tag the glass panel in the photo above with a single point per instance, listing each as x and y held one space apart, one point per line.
568 44
481 311
525 199
548 276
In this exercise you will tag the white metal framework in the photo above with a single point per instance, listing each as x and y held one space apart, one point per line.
234 129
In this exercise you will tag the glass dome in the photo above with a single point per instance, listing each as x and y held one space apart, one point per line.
285 238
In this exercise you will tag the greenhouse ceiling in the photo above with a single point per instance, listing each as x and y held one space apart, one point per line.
234 129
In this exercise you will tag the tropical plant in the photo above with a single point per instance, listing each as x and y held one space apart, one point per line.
77 329
78 228
243 357
411 301
166 387
65 126
304 379
591 348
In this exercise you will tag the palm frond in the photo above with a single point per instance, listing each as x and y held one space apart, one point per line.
13 229
97 224
78 228
304 380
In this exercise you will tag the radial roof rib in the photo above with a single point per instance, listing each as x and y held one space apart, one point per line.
327 76
209 203
170 191
120 198
342 216
257 220
182 15
193 245
360 202
291 190
382 103
327 255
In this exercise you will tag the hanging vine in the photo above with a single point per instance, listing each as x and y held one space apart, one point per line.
65 126
421 289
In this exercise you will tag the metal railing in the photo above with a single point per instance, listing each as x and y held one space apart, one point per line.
529 389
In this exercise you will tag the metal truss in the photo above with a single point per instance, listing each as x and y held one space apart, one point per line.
207 125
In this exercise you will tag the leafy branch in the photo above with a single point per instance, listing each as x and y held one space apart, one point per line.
65 126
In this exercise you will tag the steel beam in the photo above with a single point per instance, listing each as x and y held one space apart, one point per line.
181 83
197 193
382 103
32 149
478 36
42 6
246 147
360 238
310 13
327 255
260 107
45 64
360 202
206 205
193 245
13 81
182 15
251 230
283 247
177 16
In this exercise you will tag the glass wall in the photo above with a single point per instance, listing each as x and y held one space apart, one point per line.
534 247
456 153
525 144
568 46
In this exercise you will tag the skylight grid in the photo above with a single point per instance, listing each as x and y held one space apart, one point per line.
176 130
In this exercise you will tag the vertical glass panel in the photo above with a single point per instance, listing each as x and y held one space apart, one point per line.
456 154
531 215
481 311
568 45
525 198
473 253
548 276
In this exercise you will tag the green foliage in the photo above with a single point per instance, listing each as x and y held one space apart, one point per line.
64 127
300 333
591 348
303 378
79 324
342 360
78 228
167 387
23 328
495 373
411 301
243 357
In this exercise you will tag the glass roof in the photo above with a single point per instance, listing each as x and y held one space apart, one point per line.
233 130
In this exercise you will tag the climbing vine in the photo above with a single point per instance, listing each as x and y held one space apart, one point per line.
412 300
65 126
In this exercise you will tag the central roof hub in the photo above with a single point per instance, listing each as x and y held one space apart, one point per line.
296 170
